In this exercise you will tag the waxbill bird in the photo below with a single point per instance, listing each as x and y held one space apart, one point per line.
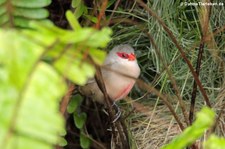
121 63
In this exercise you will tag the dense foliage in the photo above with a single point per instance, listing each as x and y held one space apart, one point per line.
43 46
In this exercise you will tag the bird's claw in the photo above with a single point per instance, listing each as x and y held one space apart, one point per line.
118 112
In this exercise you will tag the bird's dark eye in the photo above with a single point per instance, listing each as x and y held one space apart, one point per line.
123 55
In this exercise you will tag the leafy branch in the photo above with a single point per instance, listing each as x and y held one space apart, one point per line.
33 66
19 12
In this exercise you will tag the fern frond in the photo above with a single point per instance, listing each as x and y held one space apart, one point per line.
19 13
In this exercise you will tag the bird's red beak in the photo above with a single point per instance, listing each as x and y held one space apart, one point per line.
132 57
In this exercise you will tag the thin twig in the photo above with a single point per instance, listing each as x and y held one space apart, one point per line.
204 29
101 85
98 75
115 7
66 99
101 14
118 125
194 90
10 8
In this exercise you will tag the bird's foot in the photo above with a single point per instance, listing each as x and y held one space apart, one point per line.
118 112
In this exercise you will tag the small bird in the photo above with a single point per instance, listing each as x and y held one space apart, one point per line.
121 62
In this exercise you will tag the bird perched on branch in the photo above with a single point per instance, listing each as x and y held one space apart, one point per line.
119 72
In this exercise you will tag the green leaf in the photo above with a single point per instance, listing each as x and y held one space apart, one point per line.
100 38
45 33
110 3
80 10
70 49
23 12
2 9
44 80
31 3
91 18
79 119
85 142
21 22
205 119
78 35
73 21
38 13
86 37
63 142
74 103
2 1
74 69
75 3
4 19
97 55
30 91
214 142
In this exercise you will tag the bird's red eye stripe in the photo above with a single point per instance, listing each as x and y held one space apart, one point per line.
130 57
123 55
